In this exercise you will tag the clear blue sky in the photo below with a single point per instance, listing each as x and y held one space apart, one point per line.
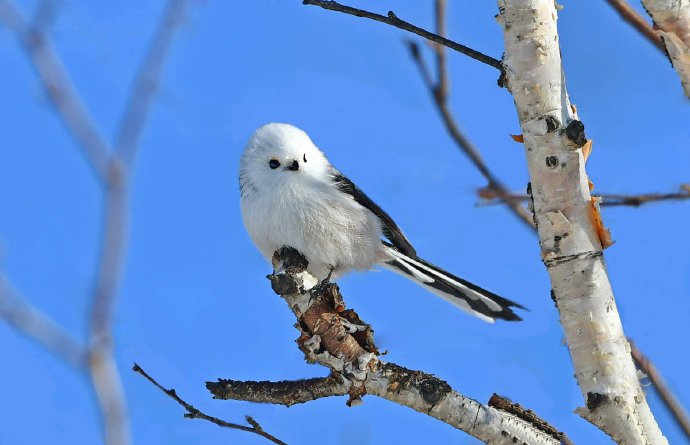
195 305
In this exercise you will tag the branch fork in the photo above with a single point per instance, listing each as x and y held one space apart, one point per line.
356 368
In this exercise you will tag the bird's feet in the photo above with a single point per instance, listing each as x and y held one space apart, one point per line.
319 288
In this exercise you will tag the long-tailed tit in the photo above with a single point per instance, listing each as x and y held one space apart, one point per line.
292 196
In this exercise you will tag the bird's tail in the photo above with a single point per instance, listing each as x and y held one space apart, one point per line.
461 293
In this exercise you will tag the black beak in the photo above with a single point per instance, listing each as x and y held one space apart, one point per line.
294 166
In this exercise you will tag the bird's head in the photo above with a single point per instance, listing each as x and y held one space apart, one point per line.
281 153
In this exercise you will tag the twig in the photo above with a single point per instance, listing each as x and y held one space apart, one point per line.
638 22
442 84
39 327
58 87
671 402
194 413
393 20
465 145
607 199
146 83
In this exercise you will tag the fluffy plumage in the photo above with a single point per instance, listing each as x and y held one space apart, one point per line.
292 196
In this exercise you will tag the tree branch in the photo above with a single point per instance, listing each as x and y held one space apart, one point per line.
114 169
39 327
672 22
58 87
463 143
665 393
442 86
638 22
571 235
146 82
286 392
193 413
393 20
607 199
115 236
340 340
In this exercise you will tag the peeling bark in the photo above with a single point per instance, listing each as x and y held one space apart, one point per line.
339 339
672 24
571 235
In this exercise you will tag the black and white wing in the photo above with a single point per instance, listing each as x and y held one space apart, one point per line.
390 229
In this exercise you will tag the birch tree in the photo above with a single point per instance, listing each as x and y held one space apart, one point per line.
571 234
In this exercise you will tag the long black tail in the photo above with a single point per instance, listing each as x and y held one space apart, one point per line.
461 293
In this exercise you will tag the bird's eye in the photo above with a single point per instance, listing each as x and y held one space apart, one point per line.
274 163
304 157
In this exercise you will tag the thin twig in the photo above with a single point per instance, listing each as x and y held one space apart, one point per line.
671 402
39 327
194 413
146 83
465 145
442 84
607 199
393 20
638 22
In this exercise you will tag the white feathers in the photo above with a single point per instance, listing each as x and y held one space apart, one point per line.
302 208
292 196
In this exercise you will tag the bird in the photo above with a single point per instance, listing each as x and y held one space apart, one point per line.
291 195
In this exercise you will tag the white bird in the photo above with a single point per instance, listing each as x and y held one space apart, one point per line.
292 196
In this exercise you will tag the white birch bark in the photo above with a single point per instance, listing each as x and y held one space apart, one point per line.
569 235
422 392
672 18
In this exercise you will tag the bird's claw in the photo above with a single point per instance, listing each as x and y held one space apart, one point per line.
319 288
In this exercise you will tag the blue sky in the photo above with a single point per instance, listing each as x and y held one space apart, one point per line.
195 305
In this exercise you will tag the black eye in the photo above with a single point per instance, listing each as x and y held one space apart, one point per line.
304 157
274 163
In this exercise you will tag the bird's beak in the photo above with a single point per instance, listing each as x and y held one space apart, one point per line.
293 166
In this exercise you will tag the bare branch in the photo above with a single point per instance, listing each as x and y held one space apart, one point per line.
441 89
58 88
327 338
115 236
146 83
607 199
465 145
638 22
667 396
193 413
39 327
286 392
393 20
113 168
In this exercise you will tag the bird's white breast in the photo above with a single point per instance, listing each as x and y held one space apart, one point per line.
326 225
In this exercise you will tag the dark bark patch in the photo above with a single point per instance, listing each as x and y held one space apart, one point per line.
595 400
575 131
552 123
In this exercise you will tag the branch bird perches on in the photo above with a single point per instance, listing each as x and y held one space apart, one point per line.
337 338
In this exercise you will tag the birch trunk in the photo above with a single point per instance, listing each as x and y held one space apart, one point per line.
672 19
569 225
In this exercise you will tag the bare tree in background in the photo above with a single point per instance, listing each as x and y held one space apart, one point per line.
571 236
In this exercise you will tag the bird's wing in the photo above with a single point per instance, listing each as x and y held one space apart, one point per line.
390 229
